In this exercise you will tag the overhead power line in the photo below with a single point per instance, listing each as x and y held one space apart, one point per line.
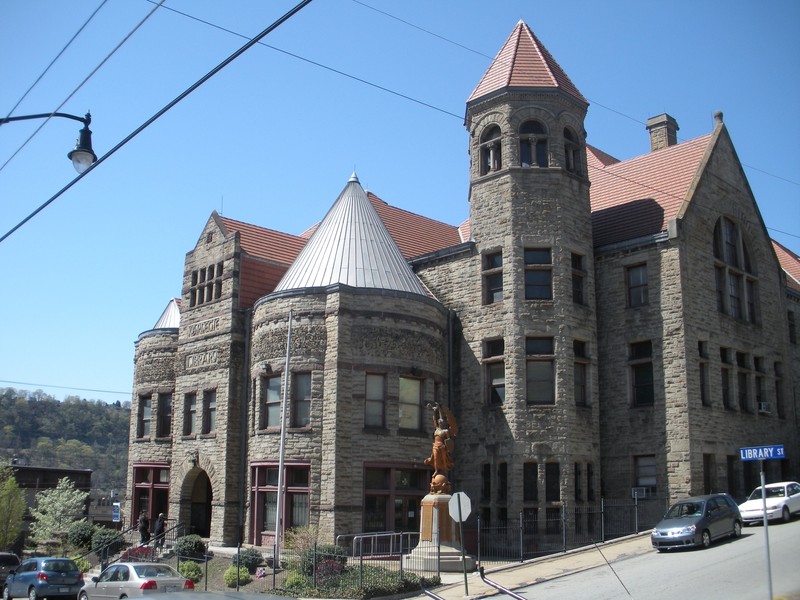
64 387
161 112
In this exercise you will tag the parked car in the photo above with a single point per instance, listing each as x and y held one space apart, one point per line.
44 576
783 500
697 521
127 579
8 561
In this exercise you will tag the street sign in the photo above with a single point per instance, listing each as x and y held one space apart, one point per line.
762 453
459 513
115 512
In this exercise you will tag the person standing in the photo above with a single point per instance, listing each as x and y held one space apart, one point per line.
144 528
158 531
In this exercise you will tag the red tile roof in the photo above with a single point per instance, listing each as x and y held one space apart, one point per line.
638 197
524 62
266 243
790 263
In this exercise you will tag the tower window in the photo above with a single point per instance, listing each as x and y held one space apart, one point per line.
491 156
533 145
493 277
572 152
495 371
538 274
539 371
641 368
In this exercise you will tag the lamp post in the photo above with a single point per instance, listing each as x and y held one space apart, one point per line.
82 156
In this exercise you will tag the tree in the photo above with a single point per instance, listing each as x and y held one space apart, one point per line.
12 507
56 509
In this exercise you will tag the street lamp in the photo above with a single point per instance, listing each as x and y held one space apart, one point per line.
82 156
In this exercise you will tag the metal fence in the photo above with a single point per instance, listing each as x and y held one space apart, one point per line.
561 528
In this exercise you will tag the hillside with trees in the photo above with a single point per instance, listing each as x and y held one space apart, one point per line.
74 433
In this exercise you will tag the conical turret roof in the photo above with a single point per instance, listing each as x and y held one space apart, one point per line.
351 246
524 62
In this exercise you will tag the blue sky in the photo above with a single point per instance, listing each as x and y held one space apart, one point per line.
273 138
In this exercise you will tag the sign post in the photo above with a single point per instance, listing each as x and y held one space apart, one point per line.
762 453
461 505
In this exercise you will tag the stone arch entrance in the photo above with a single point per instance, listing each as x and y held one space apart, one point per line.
196 497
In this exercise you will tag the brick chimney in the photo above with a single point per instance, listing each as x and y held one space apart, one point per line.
663 131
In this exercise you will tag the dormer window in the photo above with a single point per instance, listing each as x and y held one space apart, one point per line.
533 145
491 154
572 152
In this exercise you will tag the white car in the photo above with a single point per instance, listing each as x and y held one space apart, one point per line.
783 499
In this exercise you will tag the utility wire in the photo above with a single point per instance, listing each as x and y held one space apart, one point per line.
316 64
52 62
81 84
64 387
161 112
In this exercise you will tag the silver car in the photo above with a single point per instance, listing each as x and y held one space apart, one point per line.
697 522
124 580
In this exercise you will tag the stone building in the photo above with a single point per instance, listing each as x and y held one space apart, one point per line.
599 327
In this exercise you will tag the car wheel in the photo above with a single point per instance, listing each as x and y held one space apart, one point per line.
6 594
32 595
705 539
737 529
83 596
786 514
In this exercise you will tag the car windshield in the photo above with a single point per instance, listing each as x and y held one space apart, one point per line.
59 565
147 571
772 492
685 509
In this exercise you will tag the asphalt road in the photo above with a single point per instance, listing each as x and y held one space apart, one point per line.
733 569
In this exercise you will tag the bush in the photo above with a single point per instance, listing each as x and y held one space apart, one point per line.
231 574
84 565
103 539
190 570
319 554
249 558
190 546
79 535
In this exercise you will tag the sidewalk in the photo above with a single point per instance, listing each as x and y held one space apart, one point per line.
518 575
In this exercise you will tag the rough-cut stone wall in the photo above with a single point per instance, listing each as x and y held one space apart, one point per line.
340 336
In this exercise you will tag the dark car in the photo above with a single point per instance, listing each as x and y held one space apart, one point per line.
697 521
8 562
44 576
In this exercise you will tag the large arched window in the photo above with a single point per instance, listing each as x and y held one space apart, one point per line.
533 145
572 152
734 273
491 155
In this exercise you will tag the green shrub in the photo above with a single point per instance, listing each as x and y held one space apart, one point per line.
249 558
190 570
319 554
84 565
190 546
231 574
79 535
106 540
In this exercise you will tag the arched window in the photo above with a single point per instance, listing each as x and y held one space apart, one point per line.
533 145
491 155
572 152
734 273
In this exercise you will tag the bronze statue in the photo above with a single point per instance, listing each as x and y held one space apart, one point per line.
444 430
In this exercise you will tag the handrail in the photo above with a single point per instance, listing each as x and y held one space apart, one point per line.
428 592
103 550
499 587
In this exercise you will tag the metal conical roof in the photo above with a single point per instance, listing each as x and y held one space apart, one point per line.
171 317
351 246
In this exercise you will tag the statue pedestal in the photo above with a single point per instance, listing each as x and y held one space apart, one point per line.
436 525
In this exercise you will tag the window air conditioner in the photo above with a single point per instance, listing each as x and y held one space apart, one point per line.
639 492
764 407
